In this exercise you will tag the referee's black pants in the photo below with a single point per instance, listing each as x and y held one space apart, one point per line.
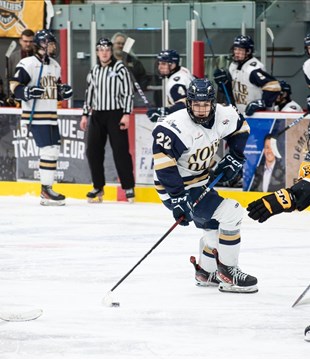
104 124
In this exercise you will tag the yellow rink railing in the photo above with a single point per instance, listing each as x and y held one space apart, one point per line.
112 192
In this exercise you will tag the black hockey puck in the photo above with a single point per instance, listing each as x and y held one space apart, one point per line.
115 304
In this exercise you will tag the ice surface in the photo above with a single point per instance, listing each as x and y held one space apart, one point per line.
66 259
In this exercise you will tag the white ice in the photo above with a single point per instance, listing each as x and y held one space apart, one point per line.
66 259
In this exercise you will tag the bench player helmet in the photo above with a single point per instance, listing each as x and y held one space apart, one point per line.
244 42
307 42
201 90
285 87
169 56
41 40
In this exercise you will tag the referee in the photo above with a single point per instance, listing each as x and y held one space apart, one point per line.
108 102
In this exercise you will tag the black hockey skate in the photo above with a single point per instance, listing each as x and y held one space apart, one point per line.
203 277
95 196
232 279
130 195
49 197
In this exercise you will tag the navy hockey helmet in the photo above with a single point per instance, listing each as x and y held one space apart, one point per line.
244 42
169 56
285 87
104 42
201 90
307 42
42 38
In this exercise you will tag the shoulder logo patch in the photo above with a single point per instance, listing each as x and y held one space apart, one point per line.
177 78
254 63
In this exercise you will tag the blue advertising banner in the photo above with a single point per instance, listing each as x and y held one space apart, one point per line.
261 129
268 169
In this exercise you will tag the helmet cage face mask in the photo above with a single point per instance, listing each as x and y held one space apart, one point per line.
201 90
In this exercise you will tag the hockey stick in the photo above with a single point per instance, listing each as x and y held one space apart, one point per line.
270 33
126 50
196 13
301 296
273 140
107 300
8 54
20 316
205 31
34 101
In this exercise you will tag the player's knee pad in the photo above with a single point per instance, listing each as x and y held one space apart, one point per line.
229 214
50 152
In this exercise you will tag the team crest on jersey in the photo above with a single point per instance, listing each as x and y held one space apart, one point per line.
10 13
177 78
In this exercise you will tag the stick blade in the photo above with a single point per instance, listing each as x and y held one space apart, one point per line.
20 316
10 49
274 148
128 45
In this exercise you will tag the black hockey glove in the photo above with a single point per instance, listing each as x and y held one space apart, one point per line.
182 207
253 106
230 166
280 201
220 76
33 92
155 113
64 91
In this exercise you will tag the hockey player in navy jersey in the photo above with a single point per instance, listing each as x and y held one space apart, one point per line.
184 145
253 89
178 80
37 83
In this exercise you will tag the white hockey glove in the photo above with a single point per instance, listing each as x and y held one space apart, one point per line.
33 92
182 207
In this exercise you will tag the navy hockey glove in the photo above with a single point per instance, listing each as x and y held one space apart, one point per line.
155 113
253 106
230 166
220 76
182 207
64 91
273 204
33 92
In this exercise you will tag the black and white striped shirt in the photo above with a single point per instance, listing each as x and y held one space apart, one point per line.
108 88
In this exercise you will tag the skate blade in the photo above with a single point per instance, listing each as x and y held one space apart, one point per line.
97 200
206 284
49 202
224 287
131 200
